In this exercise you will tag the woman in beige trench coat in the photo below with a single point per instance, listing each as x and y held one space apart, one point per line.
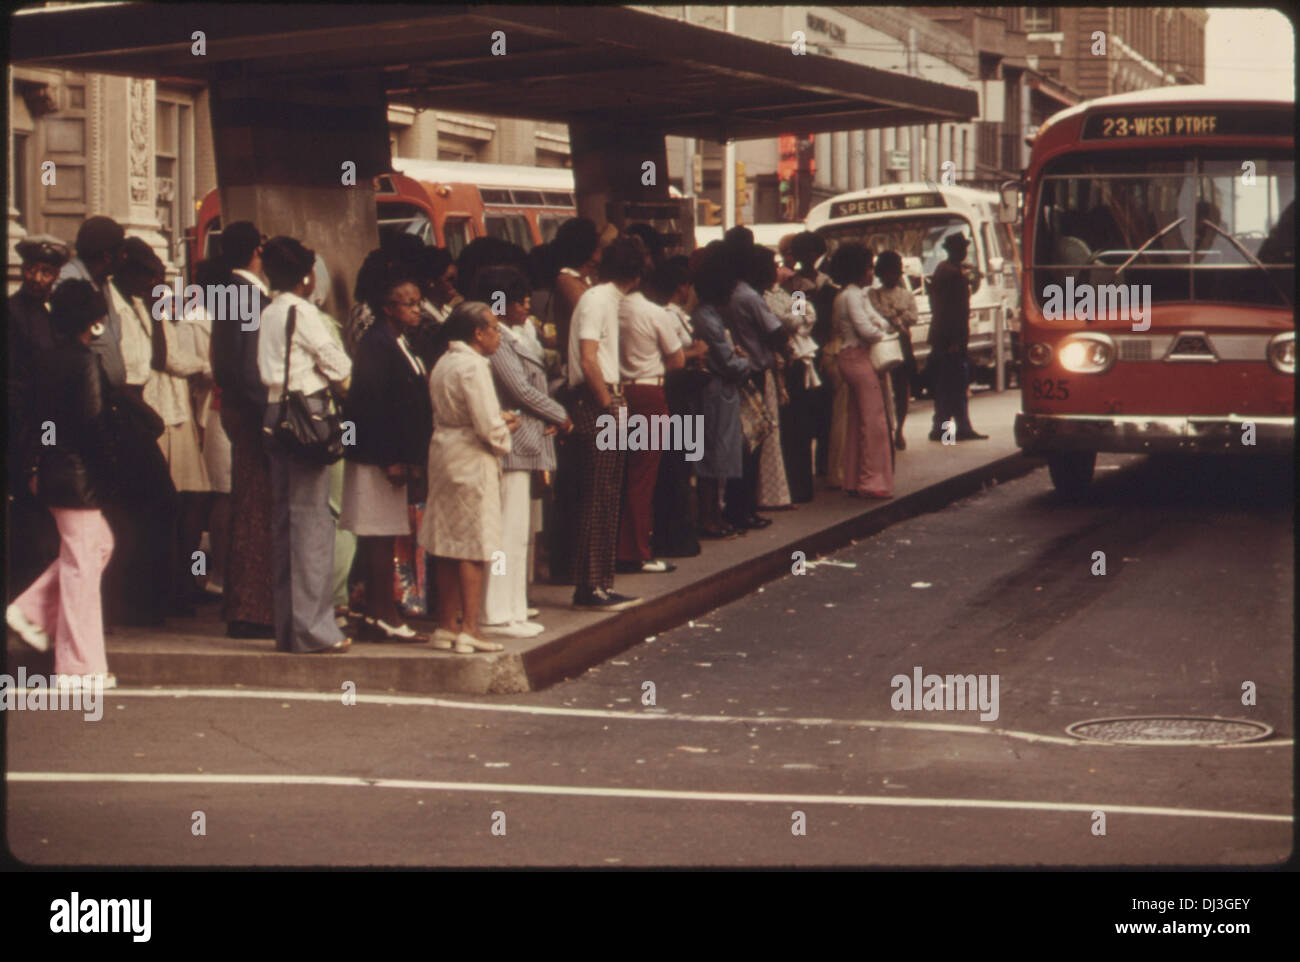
462 524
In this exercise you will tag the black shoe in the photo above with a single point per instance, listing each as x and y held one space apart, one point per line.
601 599
900 443
936 435
971 436
249 629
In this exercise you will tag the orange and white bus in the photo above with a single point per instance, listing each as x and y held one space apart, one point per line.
1157 315
445 204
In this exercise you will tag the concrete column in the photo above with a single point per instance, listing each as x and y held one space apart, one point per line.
822 152
609 168
874 176
15 232
285 151
857 159
842 178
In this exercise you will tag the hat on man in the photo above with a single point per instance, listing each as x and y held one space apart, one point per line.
140 257
44 249
954 241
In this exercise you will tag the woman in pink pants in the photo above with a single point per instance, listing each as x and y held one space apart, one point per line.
868 445
70 465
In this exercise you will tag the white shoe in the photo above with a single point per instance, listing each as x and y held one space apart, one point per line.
27 630
401 631
467 644
514 629
103 680
444 639
534 612
212 589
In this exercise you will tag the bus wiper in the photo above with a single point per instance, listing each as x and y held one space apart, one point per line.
1249 256
1147 243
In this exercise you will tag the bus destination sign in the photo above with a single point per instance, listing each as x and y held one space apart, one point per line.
884 205
1187 123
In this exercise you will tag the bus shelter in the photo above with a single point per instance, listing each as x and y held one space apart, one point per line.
300 94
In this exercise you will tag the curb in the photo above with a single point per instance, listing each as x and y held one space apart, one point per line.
574 653
516 672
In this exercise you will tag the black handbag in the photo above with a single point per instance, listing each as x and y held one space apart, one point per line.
298 430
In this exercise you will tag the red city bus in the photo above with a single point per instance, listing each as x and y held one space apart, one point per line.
445 204
1158 232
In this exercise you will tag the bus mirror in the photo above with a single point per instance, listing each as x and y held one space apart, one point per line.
1009 208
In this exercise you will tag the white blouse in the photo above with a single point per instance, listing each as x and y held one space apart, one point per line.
317 359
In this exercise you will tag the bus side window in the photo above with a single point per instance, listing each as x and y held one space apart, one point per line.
455 233
510 227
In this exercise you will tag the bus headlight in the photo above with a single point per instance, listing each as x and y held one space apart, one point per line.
1087 353
1281 353
1038 354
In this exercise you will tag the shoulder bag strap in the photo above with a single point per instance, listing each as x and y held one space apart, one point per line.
288 347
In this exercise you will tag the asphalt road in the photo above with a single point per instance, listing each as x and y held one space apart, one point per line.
771 707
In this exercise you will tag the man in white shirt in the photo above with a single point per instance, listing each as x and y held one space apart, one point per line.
594 375
650 344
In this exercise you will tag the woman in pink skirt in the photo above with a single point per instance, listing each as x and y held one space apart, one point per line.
69 462
868 446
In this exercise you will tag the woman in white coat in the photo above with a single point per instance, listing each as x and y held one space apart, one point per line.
462 523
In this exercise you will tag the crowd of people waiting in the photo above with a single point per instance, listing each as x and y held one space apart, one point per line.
470 392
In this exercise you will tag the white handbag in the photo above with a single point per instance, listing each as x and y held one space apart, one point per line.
887 353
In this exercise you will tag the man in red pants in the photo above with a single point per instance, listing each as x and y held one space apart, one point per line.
649 344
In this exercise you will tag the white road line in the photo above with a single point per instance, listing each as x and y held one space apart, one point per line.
345 781
430 702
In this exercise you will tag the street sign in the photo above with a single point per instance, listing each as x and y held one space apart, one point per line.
697 173
898 160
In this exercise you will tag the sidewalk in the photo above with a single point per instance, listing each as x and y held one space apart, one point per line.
928 476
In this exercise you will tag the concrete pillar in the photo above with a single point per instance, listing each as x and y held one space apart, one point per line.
15 230
857 159
874 175
822 152
841 142
281 149
609 168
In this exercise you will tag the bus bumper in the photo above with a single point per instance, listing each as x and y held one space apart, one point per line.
1046 433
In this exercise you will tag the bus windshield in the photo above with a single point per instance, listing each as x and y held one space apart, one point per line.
919 237
1195 228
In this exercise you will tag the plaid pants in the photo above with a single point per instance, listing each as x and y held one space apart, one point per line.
600 486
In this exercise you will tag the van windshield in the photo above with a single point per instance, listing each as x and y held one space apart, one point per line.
918 237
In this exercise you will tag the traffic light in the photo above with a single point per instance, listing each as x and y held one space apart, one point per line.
711 213
742 185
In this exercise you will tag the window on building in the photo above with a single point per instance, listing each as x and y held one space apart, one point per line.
1039 19
21 203
174 170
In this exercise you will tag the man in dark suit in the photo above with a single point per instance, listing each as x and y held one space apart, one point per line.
949 334
33 541
246 600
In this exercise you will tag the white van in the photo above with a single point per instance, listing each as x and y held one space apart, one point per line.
913 220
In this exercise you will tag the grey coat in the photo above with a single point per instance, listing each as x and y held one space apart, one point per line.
520 377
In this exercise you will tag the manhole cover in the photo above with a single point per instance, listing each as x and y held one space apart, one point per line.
1168 730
